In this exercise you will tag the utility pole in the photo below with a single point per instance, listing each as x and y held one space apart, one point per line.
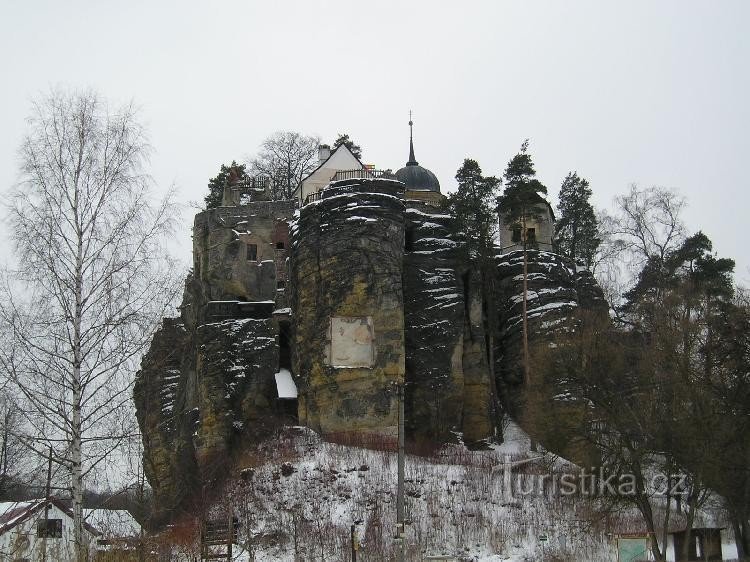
47 494
525 325
525 333
230 534
354 542
400 529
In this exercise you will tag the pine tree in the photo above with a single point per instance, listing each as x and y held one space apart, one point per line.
348 143
217 183
518 204
472 206
576 230
729 354
691 271
523 192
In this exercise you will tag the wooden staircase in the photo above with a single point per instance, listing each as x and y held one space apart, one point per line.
217 538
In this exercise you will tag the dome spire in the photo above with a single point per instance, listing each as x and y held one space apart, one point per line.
413 176
412 161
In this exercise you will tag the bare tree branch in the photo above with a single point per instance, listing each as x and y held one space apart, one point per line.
92 281
286 157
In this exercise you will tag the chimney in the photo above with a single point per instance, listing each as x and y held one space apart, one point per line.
324 152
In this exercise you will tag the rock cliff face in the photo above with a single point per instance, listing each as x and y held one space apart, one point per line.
434 308
346 273
354 295
163 407
237 360
449 383
208 382
555 289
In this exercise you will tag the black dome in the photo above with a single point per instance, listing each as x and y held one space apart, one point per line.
417 178
414 176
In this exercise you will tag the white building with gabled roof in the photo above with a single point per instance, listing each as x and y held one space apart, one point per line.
329 162
40 530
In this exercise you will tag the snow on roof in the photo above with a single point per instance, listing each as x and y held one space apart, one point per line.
12 512
285 384
341 147
113 523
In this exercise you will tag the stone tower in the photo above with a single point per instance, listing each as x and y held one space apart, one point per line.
346 270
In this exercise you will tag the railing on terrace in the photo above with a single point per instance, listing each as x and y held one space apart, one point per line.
257 182
315 196
363 173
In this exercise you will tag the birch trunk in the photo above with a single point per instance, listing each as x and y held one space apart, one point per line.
92 283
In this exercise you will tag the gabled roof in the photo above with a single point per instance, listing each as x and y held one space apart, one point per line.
113 523
323 163
14 513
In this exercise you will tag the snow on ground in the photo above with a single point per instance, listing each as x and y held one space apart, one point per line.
299 496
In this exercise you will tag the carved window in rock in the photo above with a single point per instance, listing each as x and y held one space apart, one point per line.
252 252
516 234
351 342
531 234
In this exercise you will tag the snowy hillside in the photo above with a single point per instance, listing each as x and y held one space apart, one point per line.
300 502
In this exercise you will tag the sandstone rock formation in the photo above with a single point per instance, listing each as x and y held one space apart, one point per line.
556 287
353 294
207 383
346 270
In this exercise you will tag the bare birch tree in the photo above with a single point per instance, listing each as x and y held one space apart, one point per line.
648 223
92 280
286 157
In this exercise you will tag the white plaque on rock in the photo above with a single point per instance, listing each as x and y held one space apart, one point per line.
352 342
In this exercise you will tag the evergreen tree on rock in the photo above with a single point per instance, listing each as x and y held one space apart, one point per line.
523 192
576 230
217 183
472 206
519 203
348 143
474 227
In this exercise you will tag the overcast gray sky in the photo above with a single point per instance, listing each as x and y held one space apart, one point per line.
655 93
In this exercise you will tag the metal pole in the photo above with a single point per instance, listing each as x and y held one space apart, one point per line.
354 548
400 490
230 535
46 505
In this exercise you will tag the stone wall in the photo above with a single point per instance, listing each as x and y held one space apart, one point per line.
235 254
543 223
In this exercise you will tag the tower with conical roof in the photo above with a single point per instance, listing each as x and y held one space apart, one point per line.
415 177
